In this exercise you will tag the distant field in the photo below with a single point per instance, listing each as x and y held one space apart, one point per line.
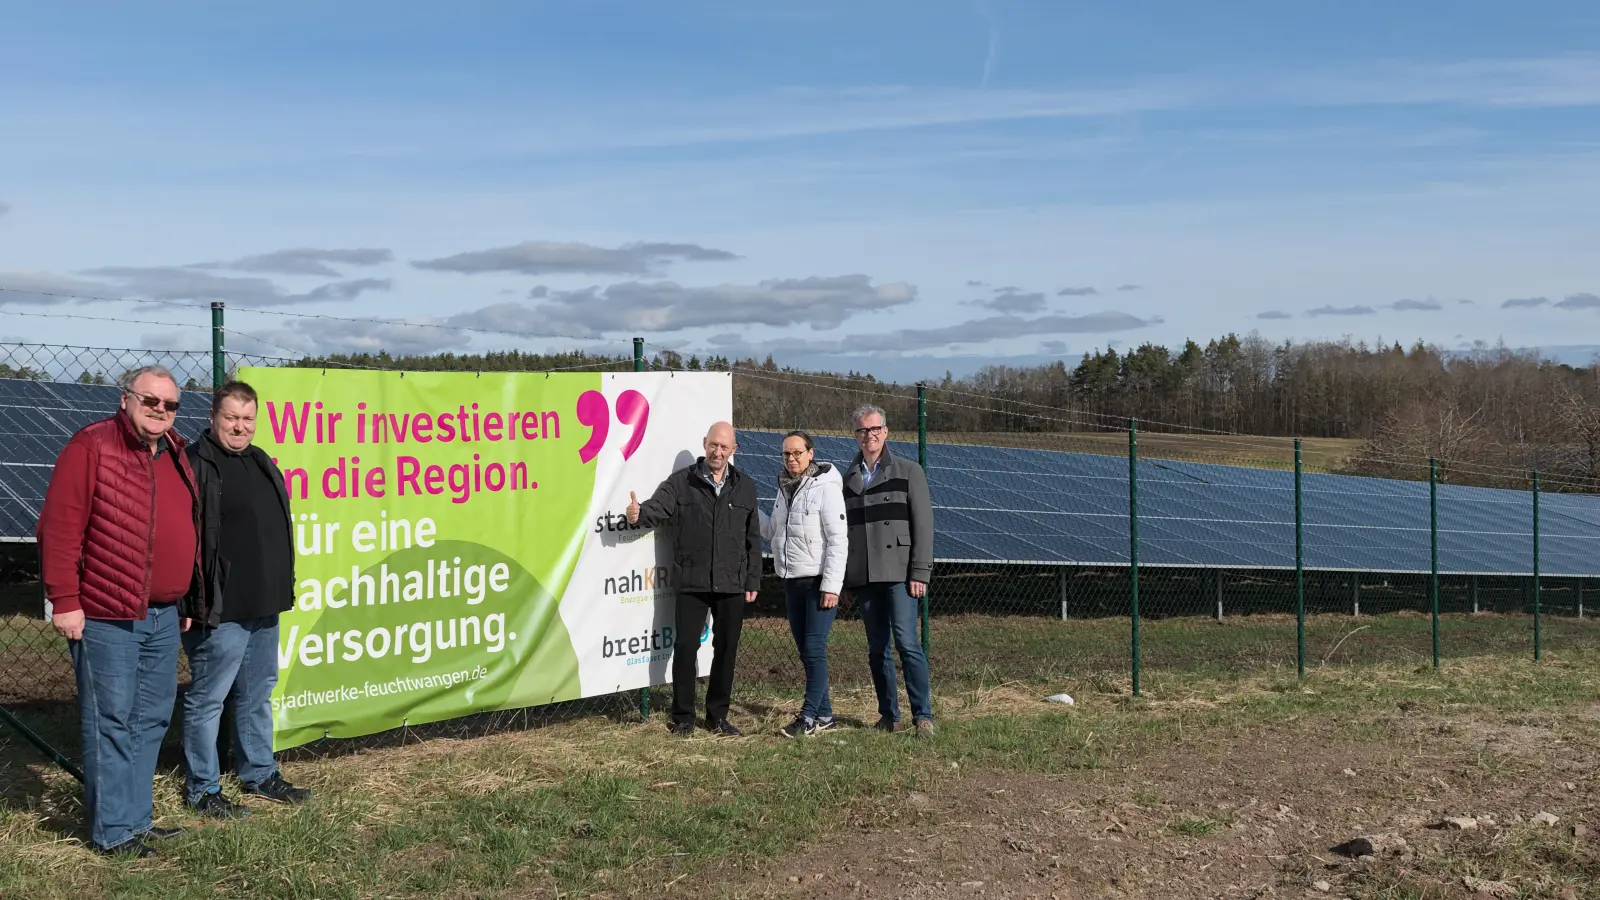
1317 454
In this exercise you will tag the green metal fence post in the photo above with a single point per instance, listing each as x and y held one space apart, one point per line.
219 377
1299 568
922 460
1433 550
219 357
41 744
1538 629
1133 542
644 692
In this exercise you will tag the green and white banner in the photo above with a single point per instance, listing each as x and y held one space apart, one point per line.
460 542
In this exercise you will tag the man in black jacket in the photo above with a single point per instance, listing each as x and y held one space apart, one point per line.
717 564
231 627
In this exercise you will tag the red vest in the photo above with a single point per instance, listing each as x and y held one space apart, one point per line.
115 516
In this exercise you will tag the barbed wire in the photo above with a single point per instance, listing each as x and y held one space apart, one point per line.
816 377
34 315
1214 444
563 336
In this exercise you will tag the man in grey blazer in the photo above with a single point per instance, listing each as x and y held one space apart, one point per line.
890 563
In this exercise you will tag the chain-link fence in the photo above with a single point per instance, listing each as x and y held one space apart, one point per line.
1068 545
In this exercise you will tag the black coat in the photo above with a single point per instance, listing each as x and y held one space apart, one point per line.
203 454
716 538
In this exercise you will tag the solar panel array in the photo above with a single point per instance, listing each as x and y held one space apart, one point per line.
36 419
1002 505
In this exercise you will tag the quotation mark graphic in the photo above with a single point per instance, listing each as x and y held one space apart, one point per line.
594 412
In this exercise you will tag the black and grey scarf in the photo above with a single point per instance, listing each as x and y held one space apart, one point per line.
791 483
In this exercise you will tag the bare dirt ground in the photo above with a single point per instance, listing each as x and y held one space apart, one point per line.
1245 815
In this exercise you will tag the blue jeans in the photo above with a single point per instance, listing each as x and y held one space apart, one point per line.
238 658
127 682
888 607
810 624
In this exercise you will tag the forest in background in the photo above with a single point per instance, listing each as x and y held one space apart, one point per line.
1490 415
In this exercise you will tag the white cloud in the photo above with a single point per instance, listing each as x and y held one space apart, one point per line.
182 283
904 340
1428 305
36 288
303 261
657 307
325 337
1580 301
1013 301
553 258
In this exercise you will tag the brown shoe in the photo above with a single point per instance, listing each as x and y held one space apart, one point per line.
924 728
887 724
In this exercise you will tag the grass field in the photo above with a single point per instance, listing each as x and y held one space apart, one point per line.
1317 454
1228 776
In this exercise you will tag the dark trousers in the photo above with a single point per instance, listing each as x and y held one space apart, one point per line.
727 621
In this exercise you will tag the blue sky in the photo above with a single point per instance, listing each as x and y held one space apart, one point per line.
897 187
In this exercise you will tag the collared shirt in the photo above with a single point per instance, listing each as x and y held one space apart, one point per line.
868 474
716 486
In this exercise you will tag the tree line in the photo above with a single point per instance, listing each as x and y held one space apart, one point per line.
1490 415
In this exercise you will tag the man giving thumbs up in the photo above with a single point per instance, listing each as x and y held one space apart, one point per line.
717 553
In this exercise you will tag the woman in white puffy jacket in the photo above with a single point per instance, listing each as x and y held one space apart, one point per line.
809 538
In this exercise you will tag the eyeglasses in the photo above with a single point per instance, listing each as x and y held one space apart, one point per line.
150 401
794 454
873 429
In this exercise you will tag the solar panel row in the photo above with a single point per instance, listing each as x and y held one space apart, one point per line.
1042 507
1004 505
36 419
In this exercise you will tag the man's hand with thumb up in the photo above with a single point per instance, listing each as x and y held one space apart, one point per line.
633 508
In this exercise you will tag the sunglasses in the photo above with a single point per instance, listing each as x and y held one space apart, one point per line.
150 401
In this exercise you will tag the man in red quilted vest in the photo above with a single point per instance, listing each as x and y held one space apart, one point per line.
118 547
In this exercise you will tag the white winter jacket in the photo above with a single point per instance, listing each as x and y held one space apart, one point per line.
809 535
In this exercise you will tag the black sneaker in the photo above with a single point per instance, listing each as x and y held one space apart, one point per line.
278 791
681 729
216 806
161 834
133 848
801 725
820 725
888 724
722 727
